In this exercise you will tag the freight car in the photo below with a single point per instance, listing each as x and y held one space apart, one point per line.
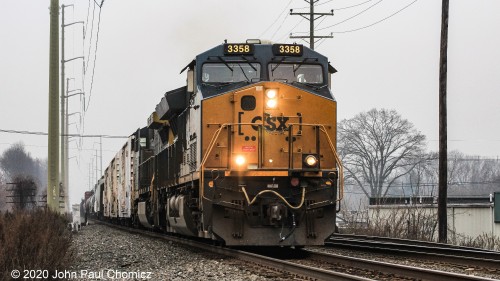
244 153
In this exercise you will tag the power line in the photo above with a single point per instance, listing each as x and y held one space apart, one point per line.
269 27
95 54
352 16
274 34
344 8
69 135
44 146
286 35
377 22
91 35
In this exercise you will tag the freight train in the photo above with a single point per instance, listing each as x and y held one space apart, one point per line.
243 154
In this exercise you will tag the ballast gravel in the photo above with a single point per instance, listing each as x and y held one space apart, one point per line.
104 253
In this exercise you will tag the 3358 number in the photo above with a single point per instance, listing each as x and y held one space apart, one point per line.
238 48
287 49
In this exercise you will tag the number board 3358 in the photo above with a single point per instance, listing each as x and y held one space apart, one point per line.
238 49
288 50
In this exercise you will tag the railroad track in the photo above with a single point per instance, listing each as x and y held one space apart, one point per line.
419 249
298 270
395 271
308 265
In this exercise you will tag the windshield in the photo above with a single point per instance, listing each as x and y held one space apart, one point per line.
230 72
302 73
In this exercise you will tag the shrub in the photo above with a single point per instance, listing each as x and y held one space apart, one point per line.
37 239
484 241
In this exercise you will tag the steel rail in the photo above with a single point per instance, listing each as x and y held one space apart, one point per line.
450 255
402 270
408 242
264 261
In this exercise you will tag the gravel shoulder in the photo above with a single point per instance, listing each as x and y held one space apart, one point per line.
107 253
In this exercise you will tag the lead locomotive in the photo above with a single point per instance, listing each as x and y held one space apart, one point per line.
243 154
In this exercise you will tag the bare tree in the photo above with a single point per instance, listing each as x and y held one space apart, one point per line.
16 161
378 147
3 192
23 192
24 173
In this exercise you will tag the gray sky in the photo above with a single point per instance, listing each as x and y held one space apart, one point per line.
143 45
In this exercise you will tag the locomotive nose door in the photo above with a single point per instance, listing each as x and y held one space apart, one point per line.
246 147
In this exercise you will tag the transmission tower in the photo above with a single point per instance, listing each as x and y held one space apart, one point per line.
311 16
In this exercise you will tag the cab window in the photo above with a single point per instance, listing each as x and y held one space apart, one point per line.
232 72
302 73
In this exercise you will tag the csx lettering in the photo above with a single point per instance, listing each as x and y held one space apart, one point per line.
272 123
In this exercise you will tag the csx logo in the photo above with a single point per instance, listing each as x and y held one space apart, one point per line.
270 123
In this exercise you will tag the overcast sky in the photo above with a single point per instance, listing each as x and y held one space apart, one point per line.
143 45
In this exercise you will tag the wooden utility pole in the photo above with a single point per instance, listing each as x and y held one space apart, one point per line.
53 138
311 17
443 135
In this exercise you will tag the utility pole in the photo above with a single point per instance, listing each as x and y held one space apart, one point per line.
100 148
311 17
53 134
64 176
96 178
63 120
443 136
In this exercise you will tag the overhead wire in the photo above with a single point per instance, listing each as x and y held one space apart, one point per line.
279 16
68 135
295 26
354 16
274 34
348 7
377 22
95 54
91 35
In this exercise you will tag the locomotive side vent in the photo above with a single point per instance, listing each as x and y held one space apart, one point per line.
192 156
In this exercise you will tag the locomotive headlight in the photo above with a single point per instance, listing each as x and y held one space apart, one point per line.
271 93
271 103
239 160
272 98
311 160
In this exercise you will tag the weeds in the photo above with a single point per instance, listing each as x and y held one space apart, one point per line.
484 241
37 239
415 222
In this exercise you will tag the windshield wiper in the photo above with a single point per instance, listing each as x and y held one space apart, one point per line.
300 63
220 85
251 65
310 85
278 64
243 71
225 63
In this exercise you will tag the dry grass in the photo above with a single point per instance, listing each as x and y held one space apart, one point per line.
407 223
484 241
412 223
37 239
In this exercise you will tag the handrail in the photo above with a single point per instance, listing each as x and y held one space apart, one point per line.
322 128
339 163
